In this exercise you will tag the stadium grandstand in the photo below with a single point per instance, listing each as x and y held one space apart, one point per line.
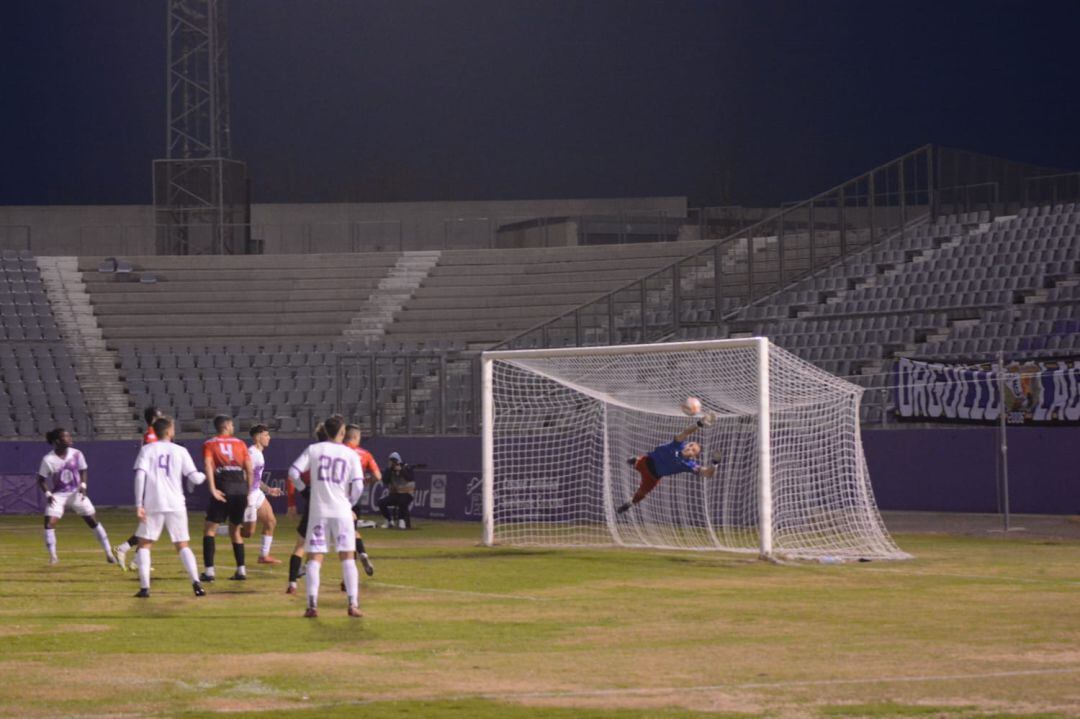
938 254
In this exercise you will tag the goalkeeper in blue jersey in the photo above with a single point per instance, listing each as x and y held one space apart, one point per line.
675 457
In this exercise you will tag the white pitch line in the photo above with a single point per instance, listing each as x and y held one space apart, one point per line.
1029 580
780 685
462 591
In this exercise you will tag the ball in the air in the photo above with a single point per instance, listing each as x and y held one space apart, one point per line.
692 406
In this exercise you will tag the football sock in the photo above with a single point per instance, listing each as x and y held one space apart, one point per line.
267 540
294 567
360 545
132 542
50 542
103 539
125 546
312 582
208 547
143 561
187 558
352 580
238 553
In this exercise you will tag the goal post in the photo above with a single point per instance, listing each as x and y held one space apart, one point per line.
561 427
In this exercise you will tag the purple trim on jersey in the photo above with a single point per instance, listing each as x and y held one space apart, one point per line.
71 463
256 476
668 460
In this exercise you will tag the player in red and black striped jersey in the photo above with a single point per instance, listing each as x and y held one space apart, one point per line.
229 473
149 414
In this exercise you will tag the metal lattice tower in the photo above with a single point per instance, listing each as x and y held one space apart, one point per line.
200 194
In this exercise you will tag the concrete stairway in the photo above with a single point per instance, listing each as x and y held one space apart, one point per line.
95 364
393 291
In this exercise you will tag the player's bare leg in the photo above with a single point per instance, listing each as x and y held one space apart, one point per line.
268 520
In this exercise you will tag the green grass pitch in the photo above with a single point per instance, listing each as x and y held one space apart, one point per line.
972 627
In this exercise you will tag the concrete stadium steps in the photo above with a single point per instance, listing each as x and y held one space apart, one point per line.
193 298
483 296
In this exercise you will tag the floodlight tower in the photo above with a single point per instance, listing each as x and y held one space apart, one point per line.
201 203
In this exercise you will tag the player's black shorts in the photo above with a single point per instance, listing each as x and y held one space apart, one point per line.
231 510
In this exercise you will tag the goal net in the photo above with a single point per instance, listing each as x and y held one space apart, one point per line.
561 426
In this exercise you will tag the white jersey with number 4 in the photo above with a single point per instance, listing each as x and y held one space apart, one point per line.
337 479
166 466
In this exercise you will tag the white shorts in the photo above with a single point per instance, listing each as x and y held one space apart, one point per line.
323 531
255 500
80 503
175 522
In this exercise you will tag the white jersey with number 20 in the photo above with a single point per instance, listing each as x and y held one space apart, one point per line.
337 479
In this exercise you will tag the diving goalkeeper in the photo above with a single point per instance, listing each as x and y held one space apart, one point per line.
675 457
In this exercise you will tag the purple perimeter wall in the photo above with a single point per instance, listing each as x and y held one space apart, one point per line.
944 469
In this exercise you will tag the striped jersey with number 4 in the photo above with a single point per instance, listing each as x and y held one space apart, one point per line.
337 479
230 455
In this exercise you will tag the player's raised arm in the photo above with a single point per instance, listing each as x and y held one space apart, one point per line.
714 466
706 420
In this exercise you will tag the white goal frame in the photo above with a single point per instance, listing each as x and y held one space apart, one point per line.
763 431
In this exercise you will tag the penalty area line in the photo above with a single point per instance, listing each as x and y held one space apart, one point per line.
462 592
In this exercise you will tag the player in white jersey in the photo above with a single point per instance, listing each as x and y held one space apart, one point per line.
337 481
258 509
160 470
66 468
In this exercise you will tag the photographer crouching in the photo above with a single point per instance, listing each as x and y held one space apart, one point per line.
398 477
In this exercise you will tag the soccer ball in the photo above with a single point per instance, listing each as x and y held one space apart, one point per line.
692 406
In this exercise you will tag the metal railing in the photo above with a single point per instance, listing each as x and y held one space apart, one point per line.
762 257
758 259
409 392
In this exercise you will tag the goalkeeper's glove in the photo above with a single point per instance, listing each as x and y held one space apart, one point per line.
707 419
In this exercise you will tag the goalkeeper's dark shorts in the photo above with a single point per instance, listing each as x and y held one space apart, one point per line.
645 467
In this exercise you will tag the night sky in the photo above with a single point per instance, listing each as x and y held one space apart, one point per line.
726 102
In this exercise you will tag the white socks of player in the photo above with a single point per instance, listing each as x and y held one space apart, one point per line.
103 539
50 543
311 579
142 561
352 581
267 540
187 558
